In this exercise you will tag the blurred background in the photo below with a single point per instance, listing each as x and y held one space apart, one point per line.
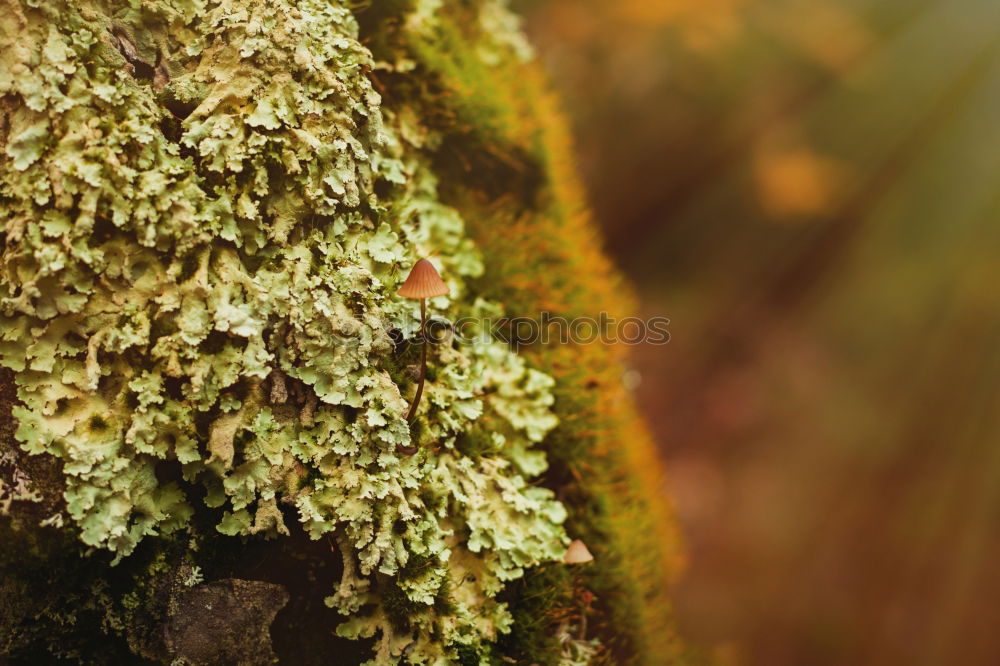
810 190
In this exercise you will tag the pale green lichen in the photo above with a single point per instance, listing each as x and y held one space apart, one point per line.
207 212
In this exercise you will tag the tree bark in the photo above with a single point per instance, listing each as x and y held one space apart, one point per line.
207 210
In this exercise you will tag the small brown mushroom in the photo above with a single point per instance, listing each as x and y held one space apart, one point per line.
577 553
423 282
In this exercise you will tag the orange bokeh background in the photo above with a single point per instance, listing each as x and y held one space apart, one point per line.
809 190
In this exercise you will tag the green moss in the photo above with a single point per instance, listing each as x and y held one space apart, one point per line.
399 608
535 601
508 154
474 443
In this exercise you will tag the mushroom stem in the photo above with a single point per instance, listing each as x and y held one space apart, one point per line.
423 362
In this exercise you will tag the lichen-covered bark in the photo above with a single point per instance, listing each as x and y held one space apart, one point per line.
207 209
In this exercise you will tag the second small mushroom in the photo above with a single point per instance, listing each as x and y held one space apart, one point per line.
578 553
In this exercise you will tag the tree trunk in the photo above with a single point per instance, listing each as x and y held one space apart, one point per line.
207 208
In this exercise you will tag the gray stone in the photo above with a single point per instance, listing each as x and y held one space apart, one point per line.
224 623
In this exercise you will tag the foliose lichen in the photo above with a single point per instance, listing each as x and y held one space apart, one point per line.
207 209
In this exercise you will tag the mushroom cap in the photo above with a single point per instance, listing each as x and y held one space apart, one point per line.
577 553
423 282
